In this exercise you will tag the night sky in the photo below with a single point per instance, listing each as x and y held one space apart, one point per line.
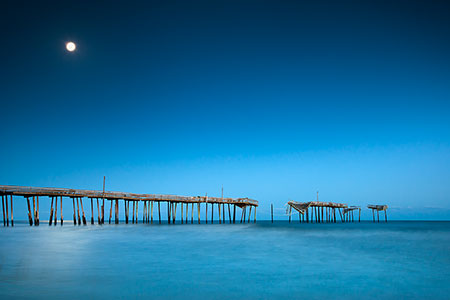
273 99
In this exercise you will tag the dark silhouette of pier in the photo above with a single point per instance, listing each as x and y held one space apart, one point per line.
226 206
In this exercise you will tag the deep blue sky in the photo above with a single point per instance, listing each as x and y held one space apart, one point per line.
273 99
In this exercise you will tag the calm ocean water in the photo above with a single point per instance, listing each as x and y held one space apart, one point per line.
252 261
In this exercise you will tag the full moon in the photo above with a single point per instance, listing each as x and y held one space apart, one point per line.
70 46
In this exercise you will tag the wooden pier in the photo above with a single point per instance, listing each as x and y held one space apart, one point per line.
323 212
378 208
226 206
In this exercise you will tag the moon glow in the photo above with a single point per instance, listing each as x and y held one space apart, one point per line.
70 46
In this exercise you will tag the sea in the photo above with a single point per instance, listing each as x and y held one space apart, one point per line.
262 260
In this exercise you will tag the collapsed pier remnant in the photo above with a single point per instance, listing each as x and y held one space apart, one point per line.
378 208
114 197
318 212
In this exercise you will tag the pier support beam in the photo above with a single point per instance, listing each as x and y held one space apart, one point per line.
12 210
56 210
92 212
50 220
159 211
3 208
82 210
30 220
74 218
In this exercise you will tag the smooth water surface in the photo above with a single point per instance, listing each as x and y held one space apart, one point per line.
252 261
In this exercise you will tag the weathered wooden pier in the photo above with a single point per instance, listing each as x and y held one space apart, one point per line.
226 206
378 208
319 212
325 212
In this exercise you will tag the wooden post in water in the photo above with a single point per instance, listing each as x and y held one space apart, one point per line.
175 213
12 210
373 215
212 213
249 214
125 202
255 216
385 214
134 210
181 203
290 210
151 212
159 211
30 220
271 211
307 214
7 211
168 212
78 211
56 210
82 209
378 216
110 211
206 214
37 210
229 213
3 208
234 213
92 212
50 220
103 211
359 215
116 217
98 213
34 210
220 218
187 211
74 218
192 213
198 212
144 211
